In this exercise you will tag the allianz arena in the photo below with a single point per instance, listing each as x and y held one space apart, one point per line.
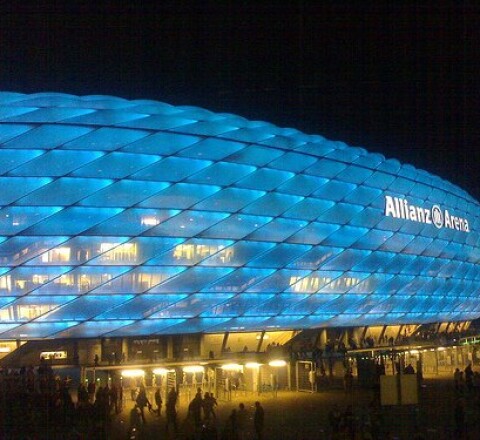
133 218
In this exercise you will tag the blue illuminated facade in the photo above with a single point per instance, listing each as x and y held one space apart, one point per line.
127 218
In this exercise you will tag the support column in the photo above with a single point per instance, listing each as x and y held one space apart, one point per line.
260 341
224 342
323 338
170 347
124 355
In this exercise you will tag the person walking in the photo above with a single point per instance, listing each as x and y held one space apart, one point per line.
242 420
171 410
142 402
259 420
158 401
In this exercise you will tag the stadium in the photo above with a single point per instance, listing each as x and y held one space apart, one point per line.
138 223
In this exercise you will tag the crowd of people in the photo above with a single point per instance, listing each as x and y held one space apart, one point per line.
36 400
201 420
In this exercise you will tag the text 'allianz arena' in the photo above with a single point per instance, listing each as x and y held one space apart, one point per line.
124 218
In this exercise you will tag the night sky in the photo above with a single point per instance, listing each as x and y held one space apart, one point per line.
402 80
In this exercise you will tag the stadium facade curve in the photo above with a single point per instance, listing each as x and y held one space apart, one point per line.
126 218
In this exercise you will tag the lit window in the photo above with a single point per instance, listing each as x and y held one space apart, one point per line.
56 255
126 252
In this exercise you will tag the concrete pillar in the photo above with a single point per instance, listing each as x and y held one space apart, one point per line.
201 347
125 348
323 338
225 342
260 341
170 347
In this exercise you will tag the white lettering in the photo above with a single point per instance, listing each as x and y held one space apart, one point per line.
400 208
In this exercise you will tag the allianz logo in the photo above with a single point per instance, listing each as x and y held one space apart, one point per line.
400 208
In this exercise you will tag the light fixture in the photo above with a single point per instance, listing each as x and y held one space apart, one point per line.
133 373
277 363
193 369
160 371
253 365
232 367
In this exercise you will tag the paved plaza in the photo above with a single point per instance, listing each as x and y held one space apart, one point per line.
305 416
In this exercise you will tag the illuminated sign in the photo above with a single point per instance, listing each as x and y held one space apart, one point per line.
400 208
53 355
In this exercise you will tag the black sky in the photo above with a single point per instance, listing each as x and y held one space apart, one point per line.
400 79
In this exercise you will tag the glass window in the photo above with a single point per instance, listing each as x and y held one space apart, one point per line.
116 165
193 251
252 155
13 188
222 173
132 222
334 190
345 236
236 226
10 131
236 305
279 281
14 219
276 305
11 159
277 230
374 260
180 196
240 324
311 304
162 143
279 256
86 307
301 185
308 209
187 224
136 280
237 255
340 213
229 200
105 116
313 233
47 136
123 193
315 257
142 306
192 280
145 327
159 122
105 139
372 240
346 260
273 203
37 330
17 250
326 168
265 179
23 280
136 251
192 306
195 325
73 220
79 280
212 149
48 114
293 162
64 191
238 281
55 163
92 329
171 169
211 128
